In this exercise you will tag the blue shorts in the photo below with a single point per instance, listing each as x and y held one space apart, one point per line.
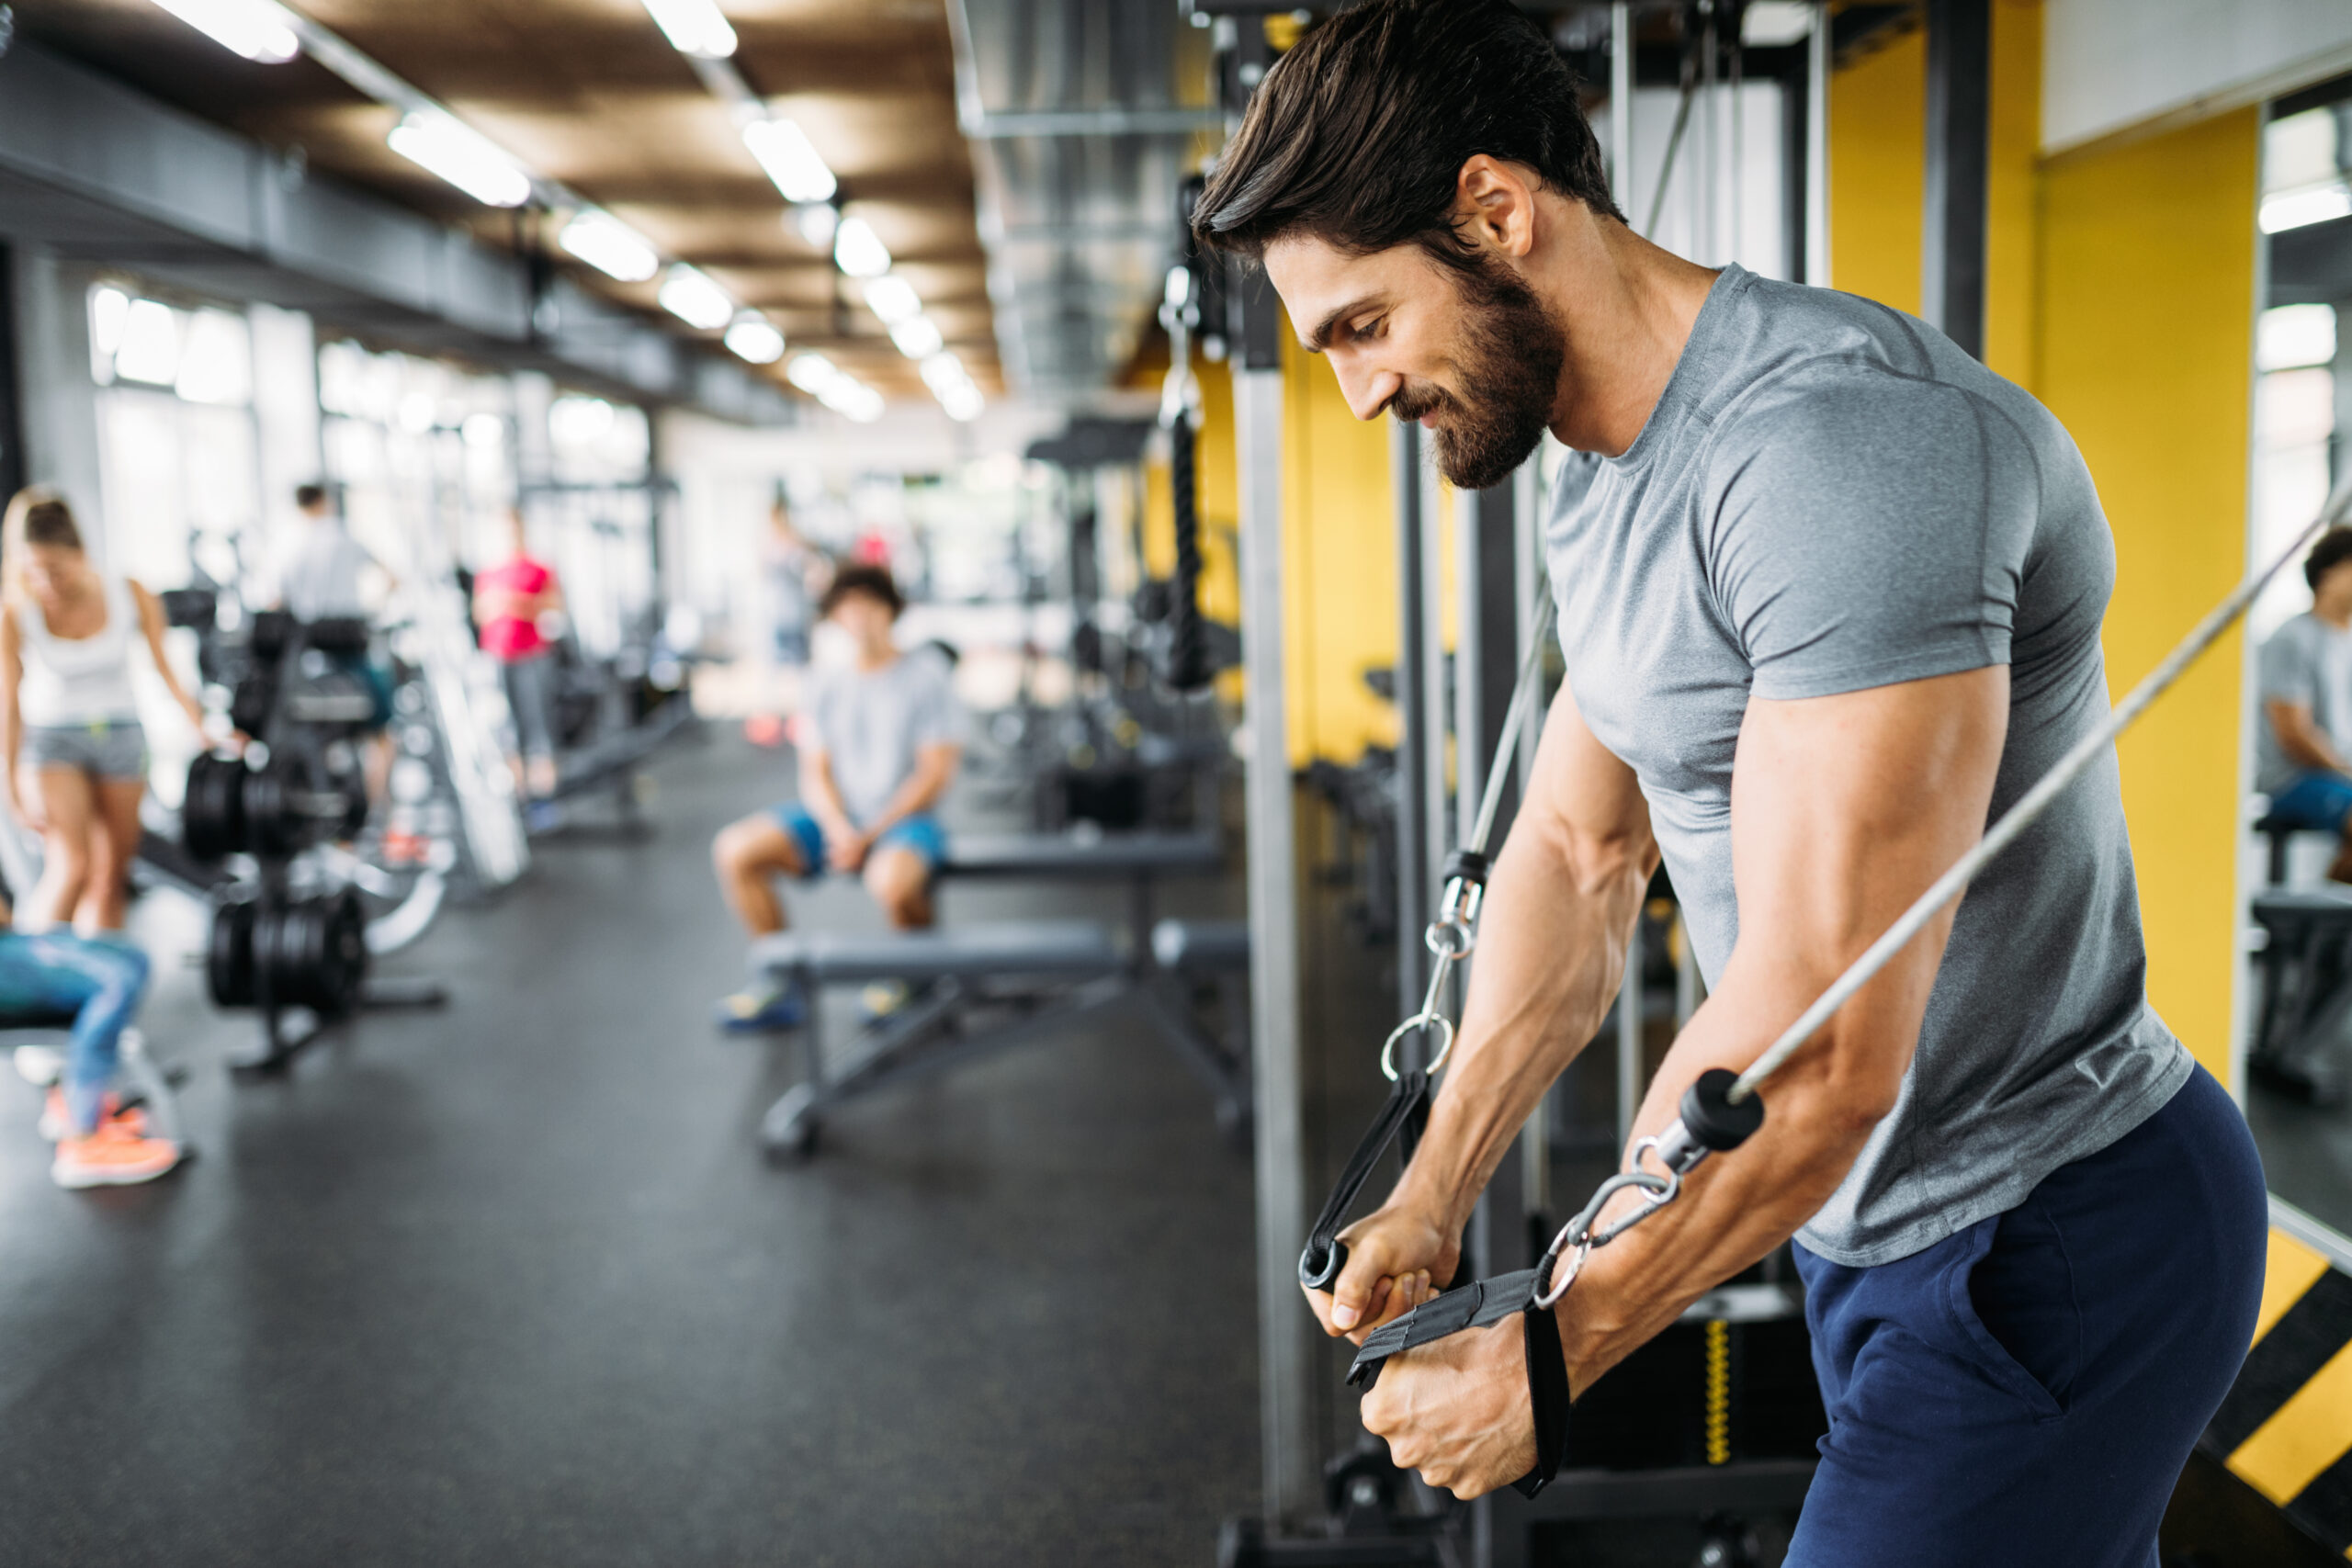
2318 799
921 834
2027 1390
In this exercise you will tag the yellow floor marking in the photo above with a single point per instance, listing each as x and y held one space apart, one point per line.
2307 1434
2293 1269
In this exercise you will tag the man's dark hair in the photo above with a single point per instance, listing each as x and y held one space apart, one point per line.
1357 137
307 496
874 581
2333 549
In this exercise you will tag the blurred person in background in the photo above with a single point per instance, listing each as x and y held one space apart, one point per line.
2304 746
76 756
101 1143
792 573
883 739
509 600
324 578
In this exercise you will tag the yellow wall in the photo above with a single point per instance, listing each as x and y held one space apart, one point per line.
2119 289
1878 161
1339 564
2146 353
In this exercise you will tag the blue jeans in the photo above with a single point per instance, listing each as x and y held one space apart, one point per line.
2318 799
920 833
2025 1393
100 981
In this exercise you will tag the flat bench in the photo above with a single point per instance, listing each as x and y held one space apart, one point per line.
985 987
2306 991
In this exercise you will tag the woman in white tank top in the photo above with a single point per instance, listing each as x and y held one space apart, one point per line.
76 756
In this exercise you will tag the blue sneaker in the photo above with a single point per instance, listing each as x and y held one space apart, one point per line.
762 1011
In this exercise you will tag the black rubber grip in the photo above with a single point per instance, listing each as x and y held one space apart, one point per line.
1466 866
1712 1118
1401 1119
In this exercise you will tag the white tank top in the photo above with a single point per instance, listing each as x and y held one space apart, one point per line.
73 682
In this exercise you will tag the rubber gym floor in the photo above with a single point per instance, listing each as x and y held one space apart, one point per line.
511 1283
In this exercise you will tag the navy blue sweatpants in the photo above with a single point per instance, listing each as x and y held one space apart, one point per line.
2026 1392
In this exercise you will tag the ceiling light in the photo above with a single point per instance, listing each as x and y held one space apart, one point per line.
696 299
784 151
468 161
944 370
858 251
258 29
2293 337
917 338
693 27
963 404
893 299
816 220
2311 203
754 338
812 372
610 245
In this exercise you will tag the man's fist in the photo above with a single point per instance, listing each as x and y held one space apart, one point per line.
1395 1254
1457 1409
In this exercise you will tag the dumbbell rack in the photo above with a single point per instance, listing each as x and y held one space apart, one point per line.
298 961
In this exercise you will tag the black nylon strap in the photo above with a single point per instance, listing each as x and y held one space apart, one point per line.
1401 1121
1482 1304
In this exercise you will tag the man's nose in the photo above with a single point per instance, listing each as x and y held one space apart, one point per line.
1367 389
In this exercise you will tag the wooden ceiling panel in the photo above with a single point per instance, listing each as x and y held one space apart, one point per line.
589 94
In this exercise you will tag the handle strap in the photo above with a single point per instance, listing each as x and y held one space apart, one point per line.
1401 1121
1482 1304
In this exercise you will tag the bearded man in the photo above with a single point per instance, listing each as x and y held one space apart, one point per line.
1832 600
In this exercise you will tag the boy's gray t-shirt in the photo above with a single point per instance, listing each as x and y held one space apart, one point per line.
1830 496
2307 662
872 723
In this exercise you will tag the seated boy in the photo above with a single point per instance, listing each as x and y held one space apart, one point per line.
880 744
2303 748
101 981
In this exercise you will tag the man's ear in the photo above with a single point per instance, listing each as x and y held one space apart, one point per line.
1494 204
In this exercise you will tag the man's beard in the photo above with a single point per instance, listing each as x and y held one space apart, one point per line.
1509 359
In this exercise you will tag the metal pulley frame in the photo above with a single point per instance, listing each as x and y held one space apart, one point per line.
1179 415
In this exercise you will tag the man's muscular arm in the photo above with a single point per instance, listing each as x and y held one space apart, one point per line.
1560 904
1844 808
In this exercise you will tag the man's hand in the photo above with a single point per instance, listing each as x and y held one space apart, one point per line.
1395 1254
847 850
1457 1409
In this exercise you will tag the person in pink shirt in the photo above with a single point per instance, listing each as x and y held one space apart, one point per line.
509 600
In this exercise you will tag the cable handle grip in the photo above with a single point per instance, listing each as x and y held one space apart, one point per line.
1321 1272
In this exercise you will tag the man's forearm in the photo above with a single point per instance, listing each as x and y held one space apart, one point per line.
1551 955
919 793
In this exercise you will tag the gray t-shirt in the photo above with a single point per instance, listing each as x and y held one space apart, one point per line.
322 572
872 723
1830 496
2309 663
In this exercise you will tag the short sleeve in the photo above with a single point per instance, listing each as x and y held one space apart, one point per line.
1868 534
821 702
2288 671
939 717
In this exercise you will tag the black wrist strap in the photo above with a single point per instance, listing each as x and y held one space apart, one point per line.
1481 1304
1401 1121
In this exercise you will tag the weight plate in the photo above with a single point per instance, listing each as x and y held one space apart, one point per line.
269 821
228 956
211 814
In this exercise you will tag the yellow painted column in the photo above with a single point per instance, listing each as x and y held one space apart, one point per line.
2146 320
1878 172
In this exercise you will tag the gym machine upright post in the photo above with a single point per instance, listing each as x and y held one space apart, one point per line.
287 939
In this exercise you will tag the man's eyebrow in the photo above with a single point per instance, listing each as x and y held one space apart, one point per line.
1319 339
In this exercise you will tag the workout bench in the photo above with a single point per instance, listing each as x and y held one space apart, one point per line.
987 987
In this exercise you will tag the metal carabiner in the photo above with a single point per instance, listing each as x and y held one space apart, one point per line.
1426 1019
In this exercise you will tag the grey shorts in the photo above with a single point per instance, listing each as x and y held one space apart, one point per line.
110 750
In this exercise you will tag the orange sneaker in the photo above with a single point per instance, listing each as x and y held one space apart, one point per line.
54 1123
112 1156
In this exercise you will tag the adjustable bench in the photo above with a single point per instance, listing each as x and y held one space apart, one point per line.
988 987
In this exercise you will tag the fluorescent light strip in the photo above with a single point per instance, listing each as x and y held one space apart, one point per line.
754 338
693 27
790 159
859 250
892 299
694 300
261 31
610 245
2311 204
918 337
434 141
